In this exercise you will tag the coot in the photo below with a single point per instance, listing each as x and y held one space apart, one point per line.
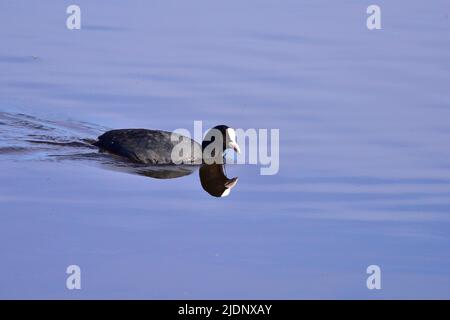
163 147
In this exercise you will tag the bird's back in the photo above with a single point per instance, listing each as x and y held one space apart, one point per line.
150 146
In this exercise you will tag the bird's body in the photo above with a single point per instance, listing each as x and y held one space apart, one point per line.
155 147
150 146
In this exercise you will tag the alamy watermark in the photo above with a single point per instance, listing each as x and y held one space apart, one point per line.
73 21
373 21
252 146
374 280
73 281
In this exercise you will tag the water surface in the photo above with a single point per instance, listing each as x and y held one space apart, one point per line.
364 149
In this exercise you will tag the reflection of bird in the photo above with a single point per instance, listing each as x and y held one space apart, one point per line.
157 172
152 154
156 146
214 181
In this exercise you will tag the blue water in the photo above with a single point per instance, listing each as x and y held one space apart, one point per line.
364 149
